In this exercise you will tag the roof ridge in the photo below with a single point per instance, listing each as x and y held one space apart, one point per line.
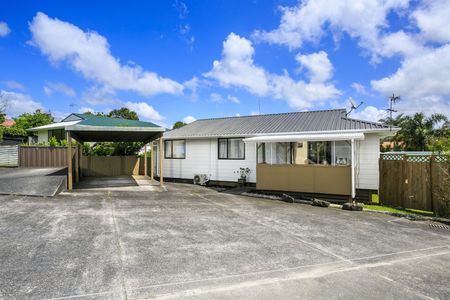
273 114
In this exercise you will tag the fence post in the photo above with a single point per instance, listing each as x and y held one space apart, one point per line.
431 182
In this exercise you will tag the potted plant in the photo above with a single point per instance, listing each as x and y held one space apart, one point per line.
243 174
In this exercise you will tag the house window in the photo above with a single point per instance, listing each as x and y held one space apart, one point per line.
319 153
275 153
343 153
231 148
175 149
59 134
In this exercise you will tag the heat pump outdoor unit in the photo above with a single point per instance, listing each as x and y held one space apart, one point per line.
201 179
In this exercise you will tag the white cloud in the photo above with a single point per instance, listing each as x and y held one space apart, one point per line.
422 81
144 111
215 97
192 85
189 119
369 113
89 54
4 29
309 20
237 68
432 20
18 103
86 109
58 87
318 65
233 99
14 85
100 95
359 88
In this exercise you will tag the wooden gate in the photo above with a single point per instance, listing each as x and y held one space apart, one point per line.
414 181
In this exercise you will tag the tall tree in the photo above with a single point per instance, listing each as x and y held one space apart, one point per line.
38 118
3 105
417 131
178 124
124 113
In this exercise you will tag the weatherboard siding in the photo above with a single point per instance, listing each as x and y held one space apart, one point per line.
201 158
42 136
367 152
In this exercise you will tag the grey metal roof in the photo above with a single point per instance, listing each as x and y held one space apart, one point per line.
323 120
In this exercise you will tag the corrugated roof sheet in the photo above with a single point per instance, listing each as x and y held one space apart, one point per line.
323 120
93 120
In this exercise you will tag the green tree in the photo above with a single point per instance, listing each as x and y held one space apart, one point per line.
123 113
116 148
417 131
3 105
38 118
178 124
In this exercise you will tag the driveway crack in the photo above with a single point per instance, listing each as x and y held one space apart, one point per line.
119 246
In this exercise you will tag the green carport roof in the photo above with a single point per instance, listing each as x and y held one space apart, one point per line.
93 120
92 128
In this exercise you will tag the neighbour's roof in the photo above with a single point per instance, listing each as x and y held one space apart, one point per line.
309 121
8 123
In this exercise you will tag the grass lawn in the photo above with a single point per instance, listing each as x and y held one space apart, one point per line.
399 210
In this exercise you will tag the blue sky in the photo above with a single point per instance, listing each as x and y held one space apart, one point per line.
185 60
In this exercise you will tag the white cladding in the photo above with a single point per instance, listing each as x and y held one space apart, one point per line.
42 136
367 167
202 158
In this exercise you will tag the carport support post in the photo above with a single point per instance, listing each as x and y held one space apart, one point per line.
353 170
77 164
69 161
145 160
161 167
152 160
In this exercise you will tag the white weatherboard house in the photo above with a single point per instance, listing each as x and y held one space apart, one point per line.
316 152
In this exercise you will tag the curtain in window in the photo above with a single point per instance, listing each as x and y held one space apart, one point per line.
223 148
261 153
343 153
179 149
168 149
235 148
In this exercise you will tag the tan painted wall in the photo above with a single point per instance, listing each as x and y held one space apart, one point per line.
304 178
95 166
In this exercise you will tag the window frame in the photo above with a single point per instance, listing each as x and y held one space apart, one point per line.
60 130
227 139
171 148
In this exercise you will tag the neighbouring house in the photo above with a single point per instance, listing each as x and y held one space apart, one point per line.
315 152
8 123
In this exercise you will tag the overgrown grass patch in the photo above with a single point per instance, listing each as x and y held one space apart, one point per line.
409 211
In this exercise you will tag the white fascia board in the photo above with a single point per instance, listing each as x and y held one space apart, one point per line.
306 137
59 125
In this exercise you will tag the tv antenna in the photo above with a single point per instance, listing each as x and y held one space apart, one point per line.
353 106
392 100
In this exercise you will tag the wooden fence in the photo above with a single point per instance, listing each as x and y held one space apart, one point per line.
415 181
93 166
43 157
49 157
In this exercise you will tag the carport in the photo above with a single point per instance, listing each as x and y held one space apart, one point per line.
91 128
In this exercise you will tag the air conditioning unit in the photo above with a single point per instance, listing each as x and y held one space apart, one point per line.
201 179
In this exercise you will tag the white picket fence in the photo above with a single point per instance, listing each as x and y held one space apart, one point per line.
9 156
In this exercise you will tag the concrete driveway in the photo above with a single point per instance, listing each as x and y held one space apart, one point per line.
195 243
45 182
